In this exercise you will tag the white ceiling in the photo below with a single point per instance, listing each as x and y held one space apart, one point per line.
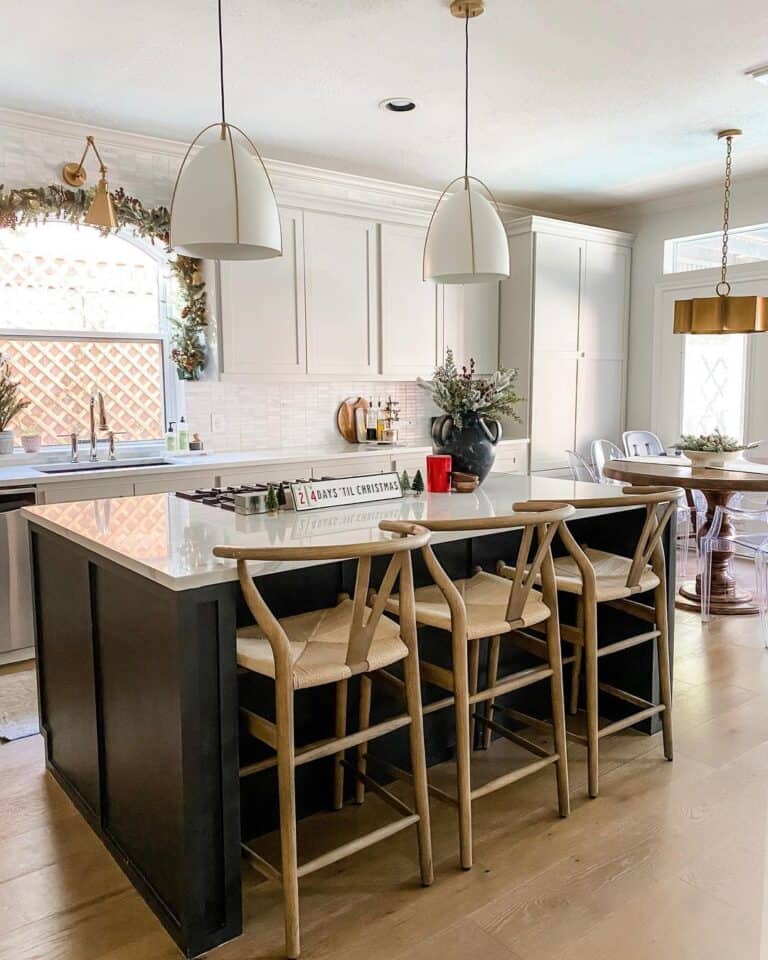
574 105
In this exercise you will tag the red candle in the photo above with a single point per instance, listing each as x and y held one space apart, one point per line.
439 468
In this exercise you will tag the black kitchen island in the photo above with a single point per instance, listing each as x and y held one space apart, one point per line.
139 688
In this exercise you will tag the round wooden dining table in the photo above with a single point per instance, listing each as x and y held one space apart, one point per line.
718 487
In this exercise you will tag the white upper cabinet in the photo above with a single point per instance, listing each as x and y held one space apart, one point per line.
262 309
341 286
470 324
408 305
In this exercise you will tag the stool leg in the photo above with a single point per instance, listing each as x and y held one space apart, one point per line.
342 690
474 670
493 676
665 682
590 660
419 764
461 717
578 652
366 687
287 799
555 658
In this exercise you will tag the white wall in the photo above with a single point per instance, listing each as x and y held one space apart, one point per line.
678 215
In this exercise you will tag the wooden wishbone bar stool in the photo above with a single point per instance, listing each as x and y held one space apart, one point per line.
330 646
486 606
596 577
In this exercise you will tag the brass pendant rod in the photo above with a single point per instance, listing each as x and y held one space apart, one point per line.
102 168
466 99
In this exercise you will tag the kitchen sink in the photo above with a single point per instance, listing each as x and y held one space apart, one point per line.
102 465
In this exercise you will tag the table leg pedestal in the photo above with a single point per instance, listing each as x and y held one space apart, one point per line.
726 596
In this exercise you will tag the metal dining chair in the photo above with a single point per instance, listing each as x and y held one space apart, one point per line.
580 469
642 443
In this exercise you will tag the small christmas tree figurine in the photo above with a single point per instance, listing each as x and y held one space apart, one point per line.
273 504
418 483
405 482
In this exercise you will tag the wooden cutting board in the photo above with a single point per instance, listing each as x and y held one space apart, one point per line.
345 417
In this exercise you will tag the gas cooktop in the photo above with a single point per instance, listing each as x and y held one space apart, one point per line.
224 497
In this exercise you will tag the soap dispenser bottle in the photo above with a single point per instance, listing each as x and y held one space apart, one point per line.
170 437
183 436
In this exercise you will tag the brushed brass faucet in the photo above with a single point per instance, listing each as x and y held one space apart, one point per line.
97 397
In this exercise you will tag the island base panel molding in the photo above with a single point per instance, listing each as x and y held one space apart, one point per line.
138 704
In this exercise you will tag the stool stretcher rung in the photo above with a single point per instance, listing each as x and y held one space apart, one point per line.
260 728
359 843
380 791
516 737
325 748
525 718
626 644
639 610
438 705
630 721
399 774
258 766
262 866
624 695
499 782
523 678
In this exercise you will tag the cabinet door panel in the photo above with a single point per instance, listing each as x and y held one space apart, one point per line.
600 402
604 300
262 308
553 409
341 294
481 325
87 490
557 292
170 483
408 305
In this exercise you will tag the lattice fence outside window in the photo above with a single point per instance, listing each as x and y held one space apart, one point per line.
80 311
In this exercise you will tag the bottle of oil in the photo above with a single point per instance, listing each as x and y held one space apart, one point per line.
370 422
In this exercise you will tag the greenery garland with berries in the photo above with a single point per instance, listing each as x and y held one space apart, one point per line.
54 202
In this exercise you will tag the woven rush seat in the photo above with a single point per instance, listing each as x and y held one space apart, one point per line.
611 573
485 597
318 644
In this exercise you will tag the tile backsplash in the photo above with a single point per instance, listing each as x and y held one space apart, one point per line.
267 416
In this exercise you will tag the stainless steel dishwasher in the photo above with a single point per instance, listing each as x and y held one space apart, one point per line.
16 629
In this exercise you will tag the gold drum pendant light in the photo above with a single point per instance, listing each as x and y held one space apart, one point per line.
723 313
101 212
466 240
223 205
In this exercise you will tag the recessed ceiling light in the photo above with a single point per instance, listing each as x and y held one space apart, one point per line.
760 74
398 104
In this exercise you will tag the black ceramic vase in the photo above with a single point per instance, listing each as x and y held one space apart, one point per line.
472 446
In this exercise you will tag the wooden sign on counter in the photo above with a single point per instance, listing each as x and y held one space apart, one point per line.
317 494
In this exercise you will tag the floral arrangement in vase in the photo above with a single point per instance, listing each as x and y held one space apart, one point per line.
469 429
11 404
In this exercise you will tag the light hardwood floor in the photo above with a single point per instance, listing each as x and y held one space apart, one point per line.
669 863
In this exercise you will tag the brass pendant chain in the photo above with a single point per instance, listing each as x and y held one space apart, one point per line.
724 288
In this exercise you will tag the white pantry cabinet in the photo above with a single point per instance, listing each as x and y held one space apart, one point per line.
563 324
409 320
341 289
262 308
470 324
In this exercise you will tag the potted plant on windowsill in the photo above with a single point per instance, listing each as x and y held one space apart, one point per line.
710 449
469 429
11 403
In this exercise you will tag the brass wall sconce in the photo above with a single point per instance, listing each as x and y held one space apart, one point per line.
101 212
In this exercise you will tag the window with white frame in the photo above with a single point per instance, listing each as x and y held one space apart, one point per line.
715 368
81 311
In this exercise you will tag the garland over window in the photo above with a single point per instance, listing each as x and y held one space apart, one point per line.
38 204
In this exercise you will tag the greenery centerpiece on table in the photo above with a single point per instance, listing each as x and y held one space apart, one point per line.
11 404
710 449
470 429
54 202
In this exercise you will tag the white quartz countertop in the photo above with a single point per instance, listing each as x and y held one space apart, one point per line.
29 474
170 540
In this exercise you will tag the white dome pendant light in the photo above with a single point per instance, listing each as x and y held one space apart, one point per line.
466 240
223 205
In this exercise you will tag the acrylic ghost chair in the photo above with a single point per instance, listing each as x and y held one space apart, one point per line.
579 468
723 536
602 451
